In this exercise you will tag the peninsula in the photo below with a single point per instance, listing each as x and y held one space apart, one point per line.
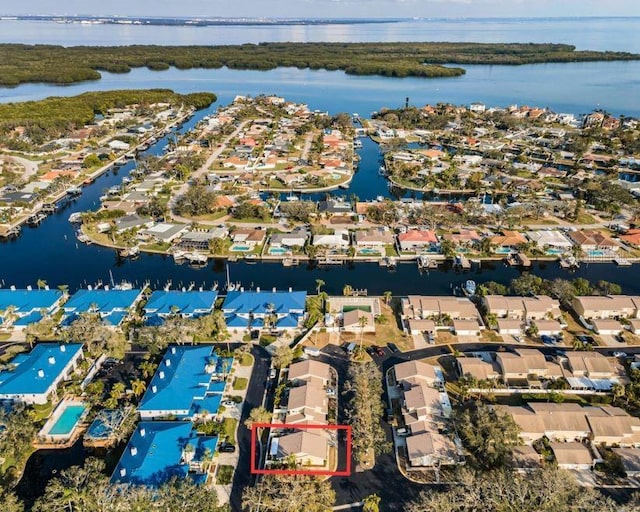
65 65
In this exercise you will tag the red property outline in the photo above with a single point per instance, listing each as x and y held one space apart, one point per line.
318 472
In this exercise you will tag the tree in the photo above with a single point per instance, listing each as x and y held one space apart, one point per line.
90 329
283 356
362 323
9 502
545 490
276 493
258 415
138 387
388 295
371 503
319 284
41 284
365 409
487 435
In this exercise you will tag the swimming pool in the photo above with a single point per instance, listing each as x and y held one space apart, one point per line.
368 251
278 251
68 420
503 250
597 253
552 251
240 248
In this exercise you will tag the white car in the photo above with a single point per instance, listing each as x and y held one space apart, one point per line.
620 355
229 403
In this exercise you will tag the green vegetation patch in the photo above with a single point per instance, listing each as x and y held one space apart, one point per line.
240 383
65 65
225 474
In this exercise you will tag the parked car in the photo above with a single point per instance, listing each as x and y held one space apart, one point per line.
379 350
547 339
273 373
393 347
228 403
226 448
620 355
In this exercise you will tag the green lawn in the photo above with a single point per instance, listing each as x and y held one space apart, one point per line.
240 383
246 360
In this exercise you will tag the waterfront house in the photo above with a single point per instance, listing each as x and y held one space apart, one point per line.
19 308
133 221
440 309
575 456
522 308
113 306
608 306
375 237
632 237
508 240
187 304
188 383
337 241
296 238
33 377
591 240
249 236
161 450
351 321
463 237
164 232
418 240
257 309
550 239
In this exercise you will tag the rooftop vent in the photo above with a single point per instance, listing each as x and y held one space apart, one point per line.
173 350
273 289
12 288
258 289
41 373
134 450
123 472
161 374
63 348
167 362
142 432
290 289
242 288
29 287
154 389
52 360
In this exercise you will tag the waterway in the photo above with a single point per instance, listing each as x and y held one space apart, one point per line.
51 251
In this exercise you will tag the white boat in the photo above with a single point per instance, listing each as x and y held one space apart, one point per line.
75 217
196 258
74 191
292 198
470 287
357 144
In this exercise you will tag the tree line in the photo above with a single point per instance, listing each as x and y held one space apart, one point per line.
64 65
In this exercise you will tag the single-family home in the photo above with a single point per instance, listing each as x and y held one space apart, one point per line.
411 373
358 321
508 240
374 237
589 364
296 238
418 240
522 364
608 306
591 240
429 449
477 368
306 447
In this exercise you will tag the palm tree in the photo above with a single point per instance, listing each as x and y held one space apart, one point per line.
41 284
148 368
319 284
347 290
138 387
64 288
388 295
362 323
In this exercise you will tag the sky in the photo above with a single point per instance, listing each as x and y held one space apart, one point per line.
327 8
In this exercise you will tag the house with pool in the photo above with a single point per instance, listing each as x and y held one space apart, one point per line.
189 304
280 310
161 450
113 306
33 378
188 384
19 308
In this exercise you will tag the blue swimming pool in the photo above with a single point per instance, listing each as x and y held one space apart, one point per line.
554 252
240 248
278 251
368 251
503 250
597 253
67 420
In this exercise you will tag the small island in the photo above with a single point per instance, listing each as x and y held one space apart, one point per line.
65 65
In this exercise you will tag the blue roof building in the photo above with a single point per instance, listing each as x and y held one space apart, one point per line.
32 377
112 305
251 310
27 305
191 304
161 450
188 382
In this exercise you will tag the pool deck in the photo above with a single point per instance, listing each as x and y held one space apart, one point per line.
45 440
